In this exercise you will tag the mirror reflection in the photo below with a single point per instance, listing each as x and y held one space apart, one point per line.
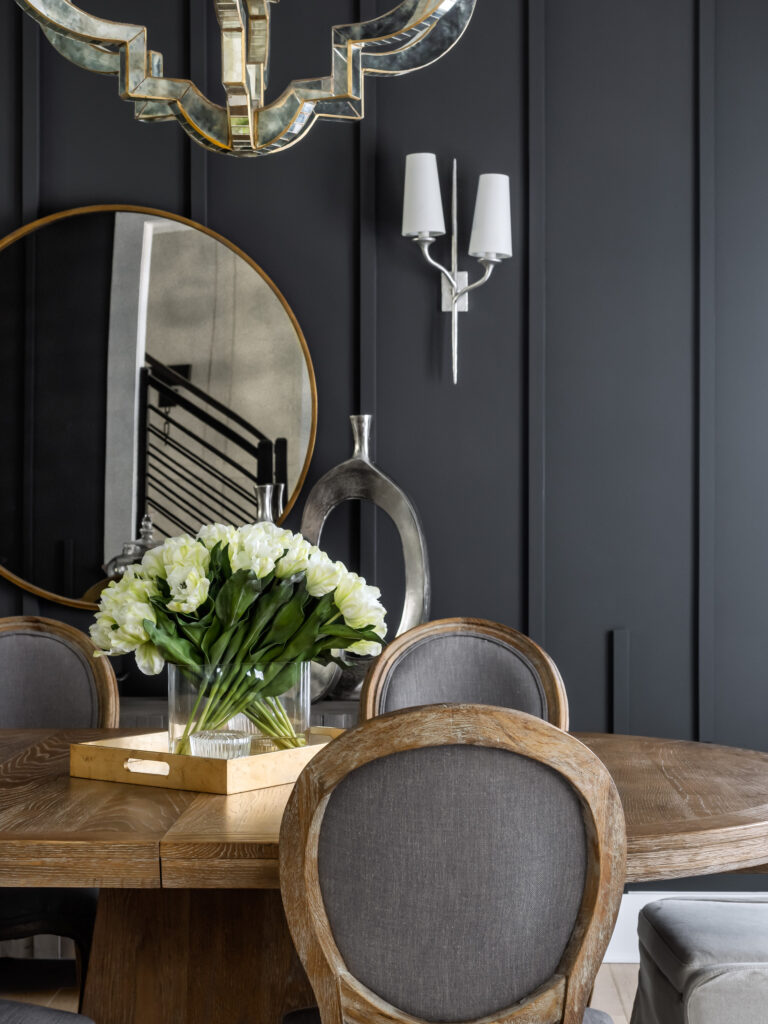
148 367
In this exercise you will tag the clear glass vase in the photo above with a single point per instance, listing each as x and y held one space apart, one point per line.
231 700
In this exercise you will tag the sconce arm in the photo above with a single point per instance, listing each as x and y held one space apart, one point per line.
488 270
424 244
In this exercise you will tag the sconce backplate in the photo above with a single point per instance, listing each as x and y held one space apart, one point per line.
416 33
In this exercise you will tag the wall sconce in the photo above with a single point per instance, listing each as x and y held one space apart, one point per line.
490 241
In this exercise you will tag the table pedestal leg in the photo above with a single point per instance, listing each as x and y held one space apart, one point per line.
204 956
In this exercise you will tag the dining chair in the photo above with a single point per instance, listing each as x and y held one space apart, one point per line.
465 660
452 863
703 961
51 679
26 1013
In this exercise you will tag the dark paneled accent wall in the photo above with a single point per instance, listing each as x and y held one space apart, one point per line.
598 477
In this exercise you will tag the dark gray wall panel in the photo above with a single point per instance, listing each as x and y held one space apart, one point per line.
458 451
92 149
620 354
610 408
296 215
741 598
10 115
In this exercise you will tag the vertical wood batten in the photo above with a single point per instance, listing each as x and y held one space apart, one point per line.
536 612
706 369
620 678
198 72
30 120
367 293
30 210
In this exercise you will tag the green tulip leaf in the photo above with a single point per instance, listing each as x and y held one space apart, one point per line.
236 597
174 649
348 633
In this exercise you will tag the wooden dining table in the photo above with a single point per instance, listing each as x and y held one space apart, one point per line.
190 927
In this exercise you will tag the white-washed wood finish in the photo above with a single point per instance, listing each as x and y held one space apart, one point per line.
691 808
101 670
551 681
564 998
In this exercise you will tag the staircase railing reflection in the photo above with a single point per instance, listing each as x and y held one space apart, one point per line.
200 460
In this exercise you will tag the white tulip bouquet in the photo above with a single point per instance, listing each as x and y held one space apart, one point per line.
230 601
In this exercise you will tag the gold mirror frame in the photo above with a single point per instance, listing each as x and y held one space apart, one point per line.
28 229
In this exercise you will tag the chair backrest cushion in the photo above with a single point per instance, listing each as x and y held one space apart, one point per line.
463 667
45 682
452 877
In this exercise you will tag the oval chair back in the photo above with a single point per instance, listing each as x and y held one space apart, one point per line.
453 863
51 679
463 660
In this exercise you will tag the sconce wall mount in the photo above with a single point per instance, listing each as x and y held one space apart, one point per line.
413 35
490 241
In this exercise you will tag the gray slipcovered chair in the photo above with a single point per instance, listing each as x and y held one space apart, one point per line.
452 863
703 962
465 660
25 1013
49 678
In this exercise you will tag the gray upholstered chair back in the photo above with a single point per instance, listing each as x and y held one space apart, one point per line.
452 877
452 862
49 678
460 660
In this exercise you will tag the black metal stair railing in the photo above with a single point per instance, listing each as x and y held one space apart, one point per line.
199 460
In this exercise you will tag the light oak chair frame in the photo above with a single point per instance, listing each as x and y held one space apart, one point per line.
102 672
562 999
376 681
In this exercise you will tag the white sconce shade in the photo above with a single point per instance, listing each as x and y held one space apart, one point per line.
422 202
492 224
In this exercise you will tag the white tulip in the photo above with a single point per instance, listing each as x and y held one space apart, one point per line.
149 659
359 603
217 533
365 647
189 589
258 547
295 559
323 575
152 564
124 604
187 553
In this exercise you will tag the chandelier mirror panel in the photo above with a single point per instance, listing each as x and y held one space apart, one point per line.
412 35
147 365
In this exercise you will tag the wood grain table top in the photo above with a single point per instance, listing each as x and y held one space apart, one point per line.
691 809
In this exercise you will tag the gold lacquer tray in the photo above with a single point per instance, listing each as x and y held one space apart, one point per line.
145 761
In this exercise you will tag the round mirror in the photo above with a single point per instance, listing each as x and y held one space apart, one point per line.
147 366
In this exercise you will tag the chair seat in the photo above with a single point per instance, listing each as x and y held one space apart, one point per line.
702 962
26 1013
683 937
313 1017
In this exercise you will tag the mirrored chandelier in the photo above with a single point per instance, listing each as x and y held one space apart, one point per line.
416 33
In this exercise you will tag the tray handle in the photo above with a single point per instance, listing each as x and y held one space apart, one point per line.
145 767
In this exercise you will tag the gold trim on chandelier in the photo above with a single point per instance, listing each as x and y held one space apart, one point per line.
413 35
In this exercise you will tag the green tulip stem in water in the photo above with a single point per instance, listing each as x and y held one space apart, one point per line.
270 717
182 745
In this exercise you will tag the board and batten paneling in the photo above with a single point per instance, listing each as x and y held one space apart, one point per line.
597 478
620 276
740 642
